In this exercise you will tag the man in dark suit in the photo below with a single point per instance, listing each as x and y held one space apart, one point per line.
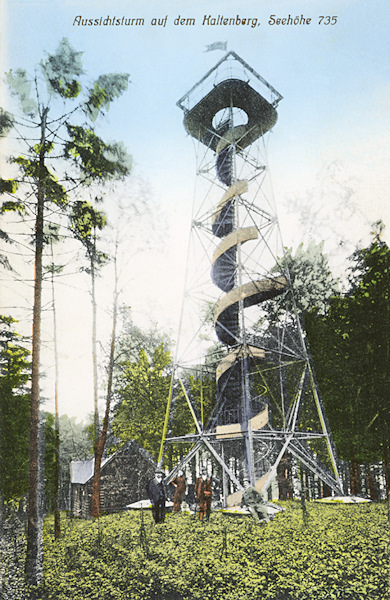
157 496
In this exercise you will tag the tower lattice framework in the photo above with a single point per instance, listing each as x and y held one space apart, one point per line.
267 403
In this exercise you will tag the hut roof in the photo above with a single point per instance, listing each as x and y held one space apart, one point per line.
82 470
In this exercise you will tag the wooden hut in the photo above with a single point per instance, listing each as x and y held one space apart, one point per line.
124 477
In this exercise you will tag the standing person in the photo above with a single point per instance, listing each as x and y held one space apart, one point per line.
157 496
180 487
203 493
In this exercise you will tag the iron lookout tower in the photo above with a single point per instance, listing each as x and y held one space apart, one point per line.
267 404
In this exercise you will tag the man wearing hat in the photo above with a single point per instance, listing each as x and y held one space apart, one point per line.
156 493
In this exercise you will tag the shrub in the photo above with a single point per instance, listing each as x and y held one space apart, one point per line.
339 553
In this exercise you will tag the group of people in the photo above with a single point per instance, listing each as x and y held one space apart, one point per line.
157 494
251 498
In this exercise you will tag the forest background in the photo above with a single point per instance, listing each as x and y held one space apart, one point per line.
335 171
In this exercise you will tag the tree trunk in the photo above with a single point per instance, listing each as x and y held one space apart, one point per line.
371 484
94 342
354 475
1 515
57 524
95 501
386 470
284 476
326 491
303 477
34 548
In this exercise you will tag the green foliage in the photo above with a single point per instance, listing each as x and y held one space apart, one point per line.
6 122
13 550
311 283
61 70
13 206
105 90
132 339
20 86
8 186
144 393
85 218
45 148
95 159
75 444
54 191
203 391
85 222
350 346
51 235
341 553
142 389
49 460
14 412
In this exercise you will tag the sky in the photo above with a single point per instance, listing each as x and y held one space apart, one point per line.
328 152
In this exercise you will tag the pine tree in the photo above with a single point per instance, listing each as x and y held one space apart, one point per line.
59 155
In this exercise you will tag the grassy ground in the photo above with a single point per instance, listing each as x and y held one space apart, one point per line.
338 552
